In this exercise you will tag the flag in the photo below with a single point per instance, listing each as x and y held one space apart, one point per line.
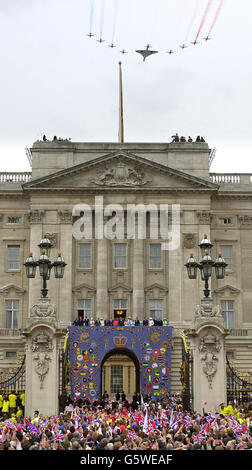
145 426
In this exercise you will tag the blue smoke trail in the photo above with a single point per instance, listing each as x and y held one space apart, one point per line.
102 16
91 15
115 19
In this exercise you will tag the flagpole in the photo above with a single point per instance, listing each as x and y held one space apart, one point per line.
121 123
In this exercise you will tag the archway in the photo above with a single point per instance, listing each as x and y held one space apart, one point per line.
121 372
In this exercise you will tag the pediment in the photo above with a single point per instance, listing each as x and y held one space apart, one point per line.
156 286
120 287
83 286
227 290
6 289
120 170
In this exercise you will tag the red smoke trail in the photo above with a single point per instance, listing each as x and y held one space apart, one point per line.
209 3
216 16
192 19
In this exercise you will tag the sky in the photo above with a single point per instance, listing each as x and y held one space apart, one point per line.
55 80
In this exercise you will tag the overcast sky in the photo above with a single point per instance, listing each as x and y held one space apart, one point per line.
55 80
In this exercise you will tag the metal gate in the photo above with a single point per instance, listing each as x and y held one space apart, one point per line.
239 386
186 374
14 379
64 374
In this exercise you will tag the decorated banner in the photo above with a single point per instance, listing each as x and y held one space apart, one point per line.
149 346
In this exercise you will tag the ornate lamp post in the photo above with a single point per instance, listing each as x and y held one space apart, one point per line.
45 265
206 265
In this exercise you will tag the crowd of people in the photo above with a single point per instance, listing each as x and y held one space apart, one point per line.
120 321
12 404
177 138
136 424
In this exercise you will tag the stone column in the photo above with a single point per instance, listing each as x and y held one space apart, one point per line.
65 284
207 339
102 279
138 279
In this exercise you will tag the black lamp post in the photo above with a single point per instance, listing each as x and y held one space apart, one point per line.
45 265
206 265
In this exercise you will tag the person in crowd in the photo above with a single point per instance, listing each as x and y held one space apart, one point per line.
6 406
13 402
145 322
137 321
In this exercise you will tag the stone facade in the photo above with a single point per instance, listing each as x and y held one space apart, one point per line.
65 174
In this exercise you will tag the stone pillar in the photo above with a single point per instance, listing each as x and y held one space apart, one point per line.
65 284
42 359
102 280
138 279
207 339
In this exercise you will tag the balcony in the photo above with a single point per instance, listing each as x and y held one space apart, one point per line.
16 177
231 178
10 333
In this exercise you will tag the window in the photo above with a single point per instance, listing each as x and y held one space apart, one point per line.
225 220
226 251
116 379
227 307
85 255
13 257
84 308
12 313
14 220
155 256
11 354
120 255
120 304
156 309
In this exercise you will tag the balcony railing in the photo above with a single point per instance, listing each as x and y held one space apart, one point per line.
17 177
10 332
231 178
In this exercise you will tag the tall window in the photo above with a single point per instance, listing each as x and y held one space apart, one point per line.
120 255
116 379
226 251
85 255
13 257
156 309
120 304
227 307
84 308
155 256
12 313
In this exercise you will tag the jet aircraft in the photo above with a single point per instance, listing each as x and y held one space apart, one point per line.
146 52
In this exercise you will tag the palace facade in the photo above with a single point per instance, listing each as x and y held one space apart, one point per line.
133 276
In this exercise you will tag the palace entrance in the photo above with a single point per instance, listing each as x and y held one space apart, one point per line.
120 372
